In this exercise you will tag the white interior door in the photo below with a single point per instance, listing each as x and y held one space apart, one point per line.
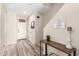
21 30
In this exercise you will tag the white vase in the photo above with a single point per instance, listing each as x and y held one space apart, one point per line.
69 45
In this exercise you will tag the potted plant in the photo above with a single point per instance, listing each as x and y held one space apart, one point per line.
48 37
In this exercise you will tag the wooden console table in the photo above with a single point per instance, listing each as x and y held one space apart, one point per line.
58 46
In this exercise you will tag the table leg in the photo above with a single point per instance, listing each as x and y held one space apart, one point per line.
46 49
40 48
74 53
69 54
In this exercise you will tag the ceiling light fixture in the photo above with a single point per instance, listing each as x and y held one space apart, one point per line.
24 12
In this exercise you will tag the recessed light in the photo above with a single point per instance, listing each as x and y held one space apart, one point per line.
24 12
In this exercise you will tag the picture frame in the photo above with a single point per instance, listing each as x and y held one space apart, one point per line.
32 24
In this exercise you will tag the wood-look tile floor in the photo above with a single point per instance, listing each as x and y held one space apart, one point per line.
21 48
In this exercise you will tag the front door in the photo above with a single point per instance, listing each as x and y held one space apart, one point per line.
21 29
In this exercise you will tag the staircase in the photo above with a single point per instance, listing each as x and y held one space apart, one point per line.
50 14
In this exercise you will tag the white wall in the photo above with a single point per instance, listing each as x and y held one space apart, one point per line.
11 28
69 13
36 34
3 17
39 28
0 26
31 32
8 26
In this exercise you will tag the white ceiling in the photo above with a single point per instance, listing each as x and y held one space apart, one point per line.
25 9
